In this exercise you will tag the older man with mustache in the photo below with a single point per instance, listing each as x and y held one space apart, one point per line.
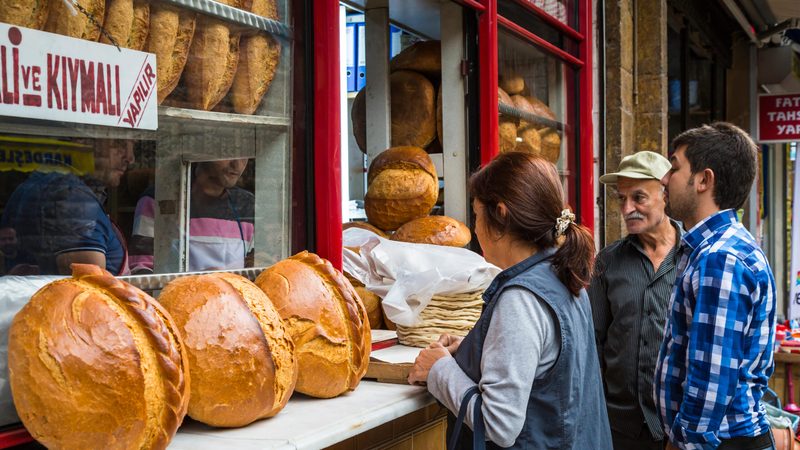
630 293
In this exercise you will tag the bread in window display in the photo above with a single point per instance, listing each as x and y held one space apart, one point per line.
61 20
413 111
211 64
424 57
365 226
241 357
170 36
436 230
511 82
551 144
25 13
96 363
259 56
529 141
327 321
540 109
402 185
127 22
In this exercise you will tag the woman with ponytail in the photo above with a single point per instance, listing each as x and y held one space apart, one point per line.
527 374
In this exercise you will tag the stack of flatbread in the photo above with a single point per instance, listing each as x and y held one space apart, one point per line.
453 314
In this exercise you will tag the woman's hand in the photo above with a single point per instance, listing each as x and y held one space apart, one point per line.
451 343
425 360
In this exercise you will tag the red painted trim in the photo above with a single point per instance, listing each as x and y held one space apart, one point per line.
14 437
586 118
541 43
327 132
487 61
472 4
550 20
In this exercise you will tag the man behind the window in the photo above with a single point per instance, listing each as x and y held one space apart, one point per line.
716 356
60 217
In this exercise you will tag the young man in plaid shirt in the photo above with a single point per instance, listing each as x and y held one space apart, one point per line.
716 357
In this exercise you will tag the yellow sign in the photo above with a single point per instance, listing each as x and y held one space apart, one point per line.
45 155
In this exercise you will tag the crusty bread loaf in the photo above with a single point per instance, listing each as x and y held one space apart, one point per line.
242 359
540 109
522 104
258 61
436 230
551 144
97 363
61 20
503 98
402 186
211 65
25 13
424 57
326 319
371 301
127 23
530 141
170 36
511 83
507 131
413 111
365 226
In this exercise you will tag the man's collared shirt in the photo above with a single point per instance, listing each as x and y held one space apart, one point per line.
629 306
716 357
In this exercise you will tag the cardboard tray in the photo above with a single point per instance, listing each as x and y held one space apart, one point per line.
387 372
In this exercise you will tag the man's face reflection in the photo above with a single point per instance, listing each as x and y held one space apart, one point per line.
8 241
112 158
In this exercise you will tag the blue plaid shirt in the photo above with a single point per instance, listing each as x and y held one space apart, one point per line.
716 357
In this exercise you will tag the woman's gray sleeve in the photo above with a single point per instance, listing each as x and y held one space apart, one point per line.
521 335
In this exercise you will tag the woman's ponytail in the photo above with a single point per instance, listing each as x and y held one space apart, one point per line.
574 259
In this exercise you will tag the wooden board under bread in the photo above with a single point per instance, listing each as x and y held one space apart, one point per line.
388 372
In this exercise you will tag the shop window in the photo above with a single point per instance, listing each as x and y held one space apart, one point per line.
535 113
85 192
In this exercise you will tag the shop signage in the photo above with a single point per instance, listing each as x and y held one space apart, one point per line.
779 118
53 77
25 154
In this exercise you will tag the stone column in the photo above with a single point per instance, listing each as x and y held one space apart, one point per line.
650 74
619 102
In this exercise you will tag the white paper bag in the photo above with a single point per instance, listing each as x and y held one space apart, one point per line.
407 275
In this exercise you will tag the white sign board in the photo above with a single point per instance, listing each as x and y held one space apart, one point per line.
53 77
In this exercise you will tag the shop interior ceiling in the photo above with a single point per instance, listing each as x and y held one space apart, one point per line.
419 16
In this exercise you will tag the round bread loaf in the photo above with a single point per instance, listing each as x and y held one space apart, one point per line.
365 226
424 57
170 36
326 320
437 230
413 111
507 130
61 19
540 109
25 13
96 363
127 23
511 83
530 141
402 186
241 356
551 144
522 104
503 98
371 301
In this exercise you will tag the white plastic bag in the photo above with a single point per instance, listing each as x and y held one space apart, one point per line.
15 292
407 275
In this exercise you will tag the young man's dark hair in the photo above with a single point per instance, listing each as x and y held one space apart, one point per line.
729 152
